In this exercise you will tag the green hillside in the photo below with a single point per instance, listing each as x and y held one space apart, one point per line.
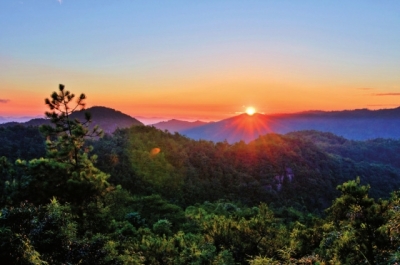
146 196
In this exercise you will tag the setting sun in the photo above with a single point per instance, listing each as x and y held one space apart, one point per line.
250 111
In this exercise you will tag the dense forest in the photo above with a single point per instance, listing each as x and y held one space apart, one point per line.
70 195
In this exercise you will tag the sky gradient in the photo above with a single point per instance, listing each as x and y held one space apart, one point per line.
205 60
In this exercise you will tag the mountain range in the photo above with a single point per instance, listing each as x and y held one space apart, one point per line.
178 125
106 118
361 124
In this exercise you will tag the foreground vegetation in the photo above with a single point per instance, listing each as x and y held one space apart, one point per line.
144 196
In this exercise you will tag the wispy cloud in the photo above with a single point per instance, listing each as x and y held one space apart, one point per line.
383 105
60 1
387 94
364 88
4 100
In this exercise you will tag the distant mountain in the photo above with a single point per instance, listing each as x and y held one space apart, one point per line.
106 118
177 125
242 127
10 123
36 122
360 124
149 120
18 119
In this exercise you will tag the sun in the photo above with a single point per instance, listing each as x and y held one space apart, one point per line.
250 111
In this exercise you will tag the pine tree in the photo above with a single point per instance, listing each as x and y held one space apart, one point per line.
353 235
68 172
66 136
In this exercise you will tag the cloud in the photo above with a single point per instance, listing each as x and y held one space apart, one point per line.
4 100
364 88
387 94
383 105
60 1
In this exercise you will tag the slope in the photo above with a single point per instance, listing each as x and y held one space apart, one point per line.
355 125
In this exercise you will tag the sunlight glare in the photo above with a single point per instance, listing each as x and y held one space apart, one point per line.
250 111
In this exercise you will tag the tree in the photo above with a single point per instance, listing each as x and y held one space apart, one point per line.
65 139
67 172
391 229
353 236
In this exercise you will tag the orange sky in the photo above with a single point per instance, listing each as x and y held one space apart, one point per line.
205 95
201 61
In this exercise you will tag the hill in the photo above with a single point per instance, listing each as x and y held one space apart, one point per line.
168 189
106 118
177 125
272 168
242 127
352 124
278 169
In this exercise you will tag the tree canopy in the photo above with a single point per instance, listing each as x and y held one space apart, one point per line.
145 196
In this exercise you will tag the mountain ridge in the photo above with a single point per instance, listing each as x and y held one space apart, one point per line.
175 125
107 119
359 124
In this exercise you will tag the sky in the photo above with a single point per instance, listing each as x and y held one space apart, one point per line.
206 60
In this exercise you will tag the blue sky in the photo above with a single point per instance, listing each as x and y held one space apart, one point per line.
159 53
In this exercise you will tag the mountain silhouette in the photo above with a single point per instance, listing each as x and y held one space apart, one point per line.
177 125
106 118
361 124
242 127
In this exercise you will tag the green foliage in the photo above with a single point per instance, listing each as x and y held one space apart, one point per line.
162 227
28 230
47 235
376 161
263 261
354 235
179 201
67 172
65 138
16 247
224 258
7 180
21 142
189 172
242 232
44 178
153 208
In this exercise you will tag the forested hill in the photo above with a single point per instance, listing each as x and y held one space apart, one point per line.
355 124
380 150
106 118
193 171
300 168
159 198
